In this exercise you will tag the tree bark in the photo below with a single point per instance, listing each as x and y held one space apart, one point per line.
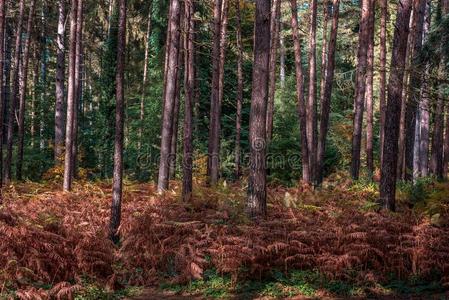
274 29
60 78
174 138
436 159
416 71
327 90
2 87
23 91
383 71
323 59
397 65
256 203
369 92
169 96
306 174
238 121
360 88
217 95
189 85
71 99
311 100
14 95
119 122
282 53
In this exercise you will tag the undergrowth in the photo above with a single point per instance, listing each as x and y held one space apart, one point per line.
331 241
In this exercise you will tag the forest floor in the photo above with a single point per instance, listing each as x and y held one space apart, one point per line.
331 243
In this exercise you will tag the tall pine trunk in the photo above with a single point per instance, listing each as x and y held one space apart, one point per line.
14 95
119 122
360 87
257 203
327 90
383 71
306 174
71 99
23 91
274 29
189 85
397 65
238 121
60 78
2 87
169 95
369 92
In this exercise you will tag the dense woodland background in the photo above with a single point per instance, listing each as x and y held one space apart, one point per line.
258 111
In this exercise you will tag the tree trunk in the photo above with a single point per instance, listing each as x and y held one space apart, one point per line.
282 53
323 59
360 88
174 138
189 85
60 78
436 159
274 29
311 102
238 121
256 204
71 98
23 91
369 92
217 95
327 90
2 87
169 96
416 71
306 175
383 71
389 163
14 95
144 80
119 121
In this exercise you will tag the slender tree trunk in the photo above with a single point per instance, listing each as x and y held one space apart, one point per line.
71 99
274 29
369 92
169 95
256 204
383 71
174 138
360 88
60 78
327 90
436 159
238 121
2 87
144 80
217 96
323 58
416 71
189 85
425 105
43 75
119 121
311 102
14 95
389 163
282 52
23 91
306 174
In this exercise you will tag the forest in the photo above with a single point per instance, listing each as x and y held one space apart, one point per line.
224 149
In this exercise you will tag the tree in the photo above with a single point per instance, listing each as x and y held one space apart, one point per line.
71 98
218 56
119 122
60 78
14 94
189 85
383 70
23 89
306 173
169 96
311 100
238 119
256 203
274 29
397 65
2 91
359 99
369 91
327 90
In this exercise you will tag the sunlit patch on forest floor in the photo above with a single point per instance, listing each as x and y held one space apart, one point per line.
332 242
